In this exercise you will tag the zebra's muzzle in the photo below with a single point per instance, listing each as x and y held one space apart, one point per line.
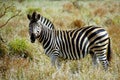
32 38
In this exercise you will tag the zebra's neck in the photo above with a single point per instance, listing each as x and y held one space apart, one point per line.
45 35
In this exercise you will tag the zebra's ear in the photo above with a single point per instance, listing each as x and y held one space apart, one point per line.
38 16
29 16
33 15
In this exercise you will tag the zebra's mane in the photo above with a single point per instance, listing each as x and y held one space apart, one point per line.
46 22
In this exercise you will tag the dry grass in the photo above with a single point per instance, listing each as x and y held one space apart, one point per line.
64 16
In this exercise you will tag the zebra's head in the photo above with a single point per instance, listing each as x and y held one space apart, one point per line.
34 26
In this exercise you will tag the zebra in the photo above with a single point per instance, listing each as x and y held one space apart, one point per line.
71 44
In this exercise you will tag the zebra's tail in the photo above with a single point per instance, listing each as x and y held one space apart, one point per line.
109 56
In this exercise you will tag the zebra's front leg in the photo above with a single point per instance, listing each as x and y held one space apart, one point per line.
55 61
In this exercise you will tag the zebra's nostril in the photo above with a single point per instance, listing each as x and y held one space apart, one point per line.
38 31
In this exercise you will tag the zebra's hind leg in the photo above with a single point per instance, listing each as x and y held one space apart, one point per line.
94 59
103 59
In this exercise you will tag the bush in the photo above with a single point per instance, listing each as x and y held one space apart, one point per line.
20 47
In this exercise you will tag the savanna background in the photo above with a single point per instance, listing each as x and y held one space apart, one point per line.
22 60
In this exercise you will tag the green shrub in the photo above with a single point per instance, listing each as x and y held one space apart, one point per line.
20 47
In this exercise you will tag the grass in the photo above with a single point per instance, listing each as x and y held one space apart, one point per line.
65 16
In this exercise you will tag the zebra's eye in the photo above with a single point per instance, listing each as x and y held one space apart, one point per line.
38 26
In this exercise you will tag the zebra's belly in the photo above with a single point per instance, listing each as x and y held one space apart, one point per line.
70 55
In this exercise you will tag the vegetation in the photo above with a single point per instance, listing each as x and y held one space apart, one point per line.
22 60
20 47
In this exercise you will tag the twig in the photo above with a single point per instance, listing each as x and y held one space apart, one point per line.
9 19
1 39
